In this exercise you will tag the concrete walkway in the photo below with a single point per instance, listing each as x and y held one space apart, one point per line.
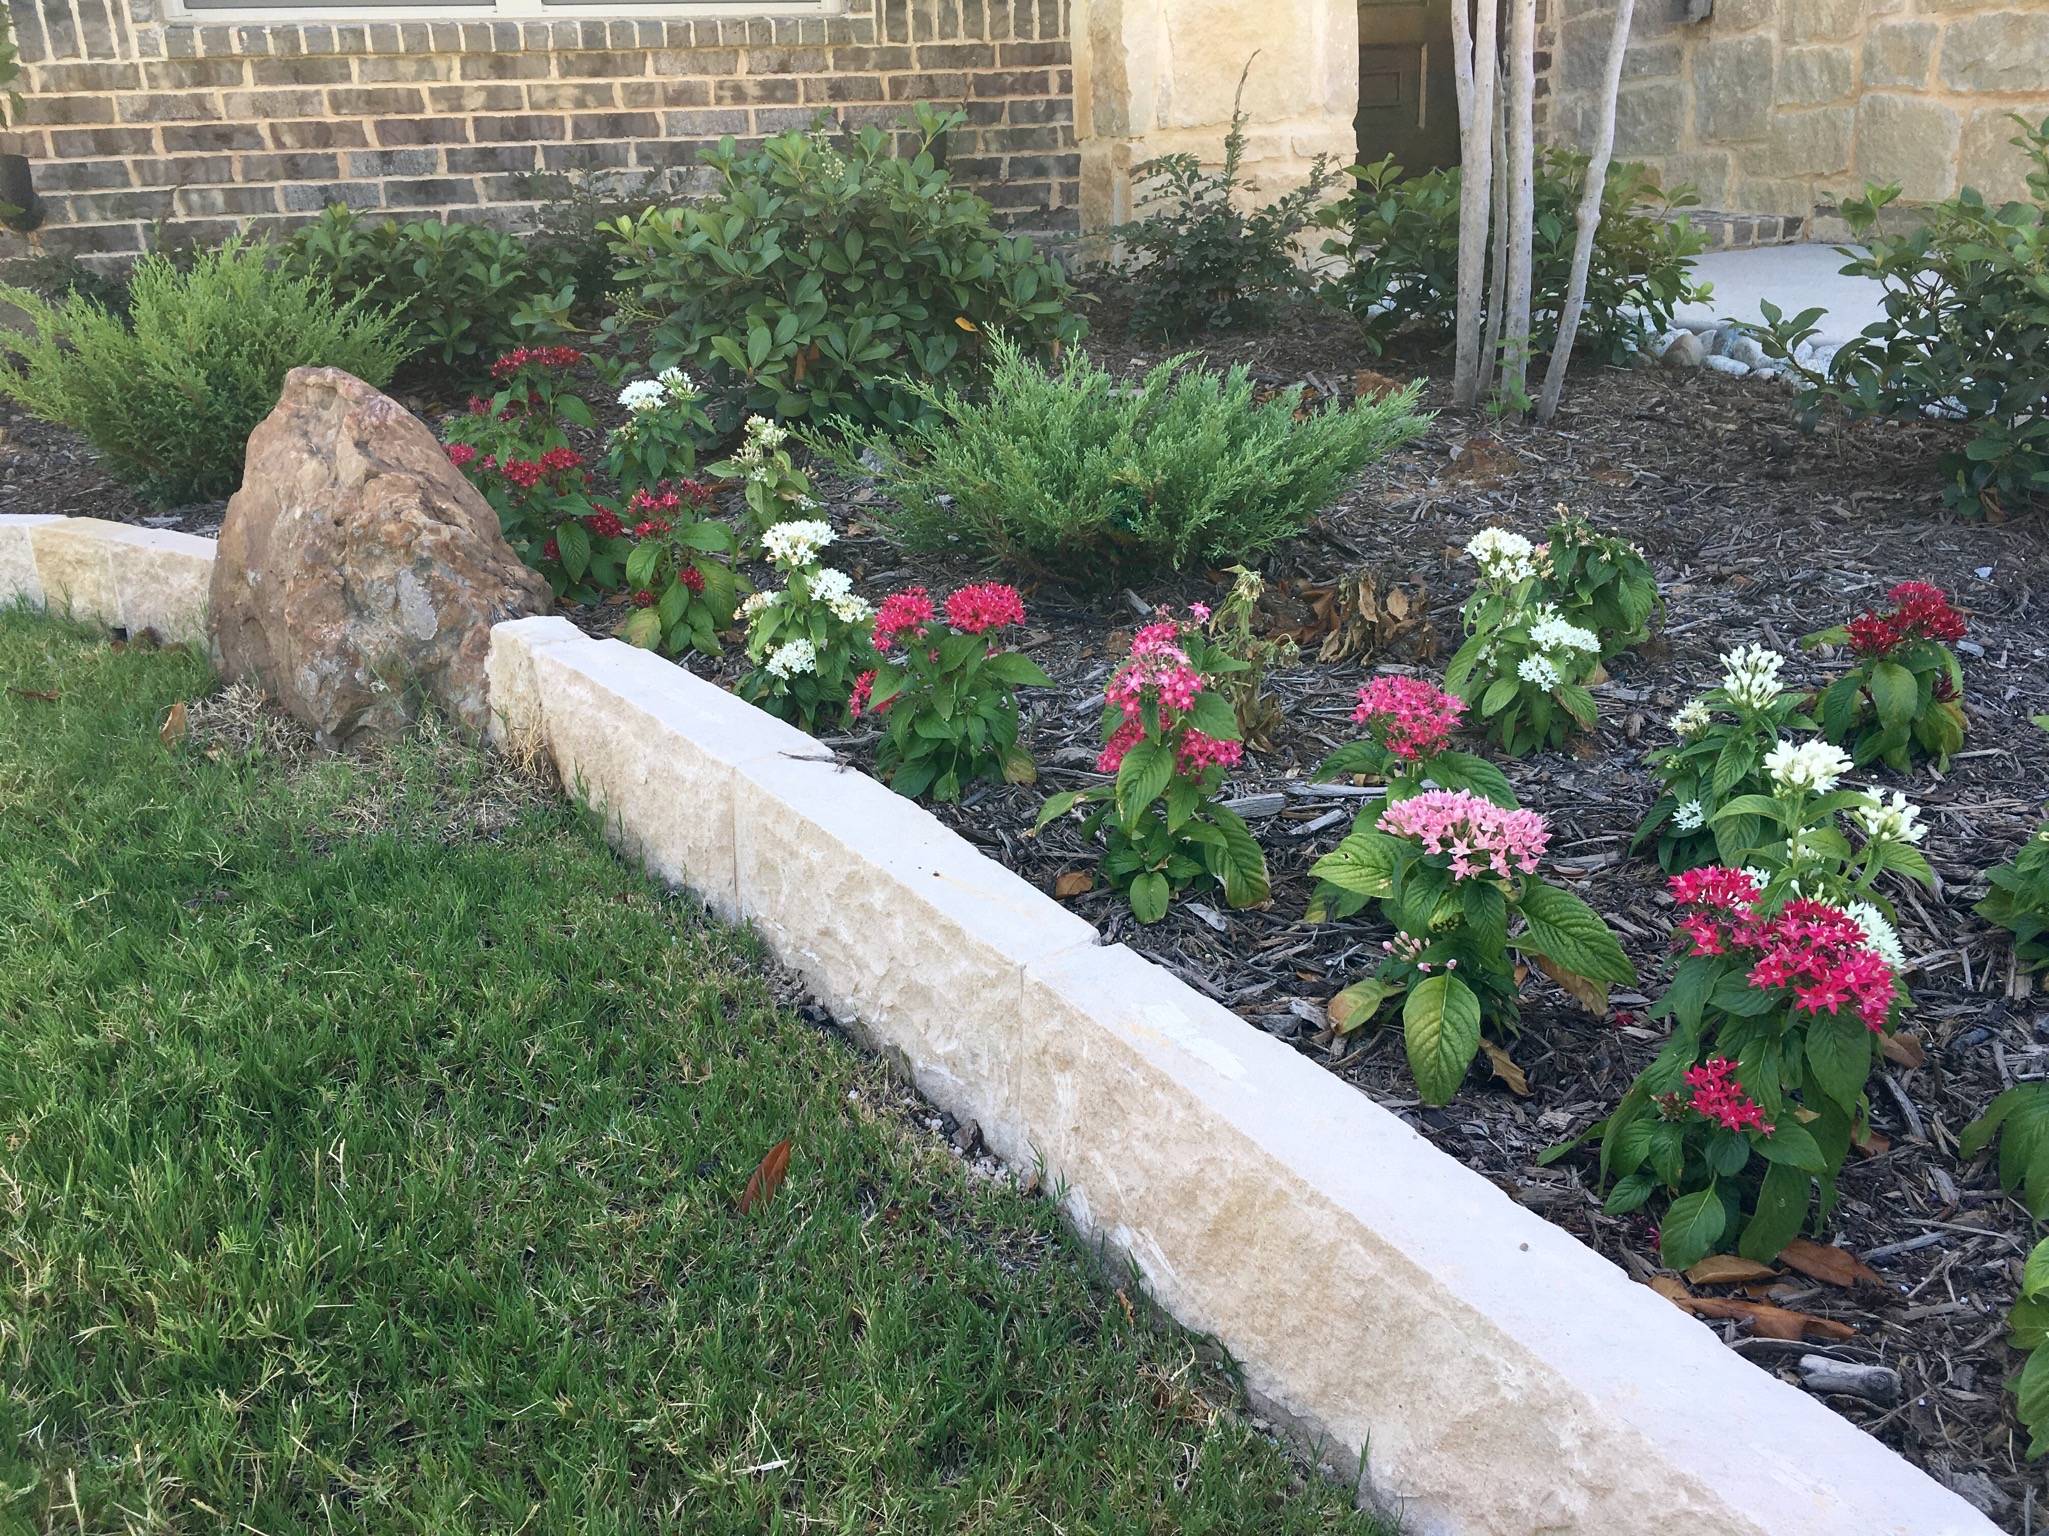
1794 277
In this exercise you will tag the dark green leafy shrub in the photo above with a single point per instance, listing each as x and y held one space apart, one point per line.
465 292
1079 476
1399 236
2019 898
169 395
1198 260
1966 332
827 273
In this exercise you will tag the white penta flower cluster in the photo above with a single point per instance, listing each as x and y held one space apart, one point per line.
1750 675
1549 632
755 602
642 395
1880 934
1811 765
1890 819
1503 555
797 543
1690 721
1690 817
761 438
835 589
790 658
1539 670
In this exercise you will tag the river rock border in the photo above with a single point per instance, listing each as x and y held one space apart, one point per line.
1496 1377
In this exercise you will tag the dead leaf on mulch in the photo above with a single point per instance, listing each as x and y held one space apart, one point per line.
1766 1321
1365 613
1483 461
174 728
1076 882
767 1178
1903 1050
1368 385
1729 1269
1833 1266
1505 1068
1590 995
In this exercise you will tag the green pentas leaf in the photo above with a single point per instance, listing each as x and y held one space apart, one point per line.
1364 863
1143 776
1150 894
1243 861
1441 1034
1212 715
2031 1400
1629 1193
1839 1055
1462 770
1782 1201
1017 670
1567 930
1692 1226
1895 694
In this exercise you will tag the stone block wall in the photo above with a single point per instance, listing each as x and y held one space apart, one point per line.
1775 110
142 125
1155 77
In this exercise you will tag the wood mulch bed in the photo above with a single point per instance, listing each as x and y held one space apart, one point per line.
1757 533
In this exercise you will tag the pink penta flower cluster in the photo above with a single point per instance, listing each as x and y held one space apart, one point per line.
987 605
1819 953
1481 837
1157 674
1411 717
1920 612
1718 1096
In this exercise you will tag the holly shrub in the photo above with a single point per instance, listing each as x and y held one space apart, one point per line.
825 271
1965 334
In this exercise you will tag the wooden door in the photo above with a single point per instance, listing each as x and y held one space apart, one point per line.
1408 101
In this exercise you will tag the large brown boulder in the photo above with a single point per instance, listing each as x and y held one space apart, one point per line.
359 573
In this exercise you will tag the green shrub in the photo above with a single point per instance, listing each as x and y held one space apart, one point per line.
826 273
1400 240
170 395
466 292
1966 332
1201 263
1078 476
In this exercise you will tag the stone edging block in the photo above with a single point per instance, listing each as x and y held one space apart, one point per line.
115 574
1497 1377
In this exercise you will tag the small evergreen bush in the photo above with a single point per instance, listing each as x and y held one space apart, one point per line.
1081 477
169 395
466 293
1399 237
1201 263
827 273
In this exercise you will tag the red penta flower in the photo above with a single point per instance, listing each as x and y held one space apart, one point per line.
900 613
1920 612
559 461
551 551
605 523
692 578
643 599
984 606
524 473
461 455
535 357
1719 1097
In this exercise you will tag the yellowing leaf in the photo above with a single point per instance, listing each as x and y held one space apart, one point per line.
1729 1269
965 323
174 727
1505 1068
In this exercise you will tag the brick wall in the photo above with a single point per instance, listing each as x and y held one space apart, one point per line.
133 121
1777 109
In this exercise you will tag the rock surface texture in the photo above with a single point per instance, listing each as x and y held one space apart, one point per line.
359 573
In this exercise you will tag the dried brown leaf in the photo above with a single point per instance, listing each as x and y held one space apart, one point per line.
1590 995
1076 882
1505 1068
1729 1269
174 729
1829 1264
767 1177
1766 1320
1903 1050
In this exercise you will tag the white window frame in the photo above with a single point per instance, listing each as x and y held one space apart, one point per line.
320 12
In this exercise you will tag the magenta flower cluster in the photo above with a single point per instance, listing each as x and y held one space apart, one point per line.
1409 716
1817 952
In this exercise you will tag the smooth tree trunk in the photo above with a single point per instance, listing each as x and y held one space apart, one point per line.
1589 217
1522 84
1497 269
1474 49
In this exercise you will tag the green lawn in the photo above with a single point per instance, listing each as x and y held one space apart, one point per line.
369 1147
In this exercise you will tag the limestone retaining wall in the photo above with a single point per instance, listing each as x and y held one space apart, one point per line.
1780 108
1485 1372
